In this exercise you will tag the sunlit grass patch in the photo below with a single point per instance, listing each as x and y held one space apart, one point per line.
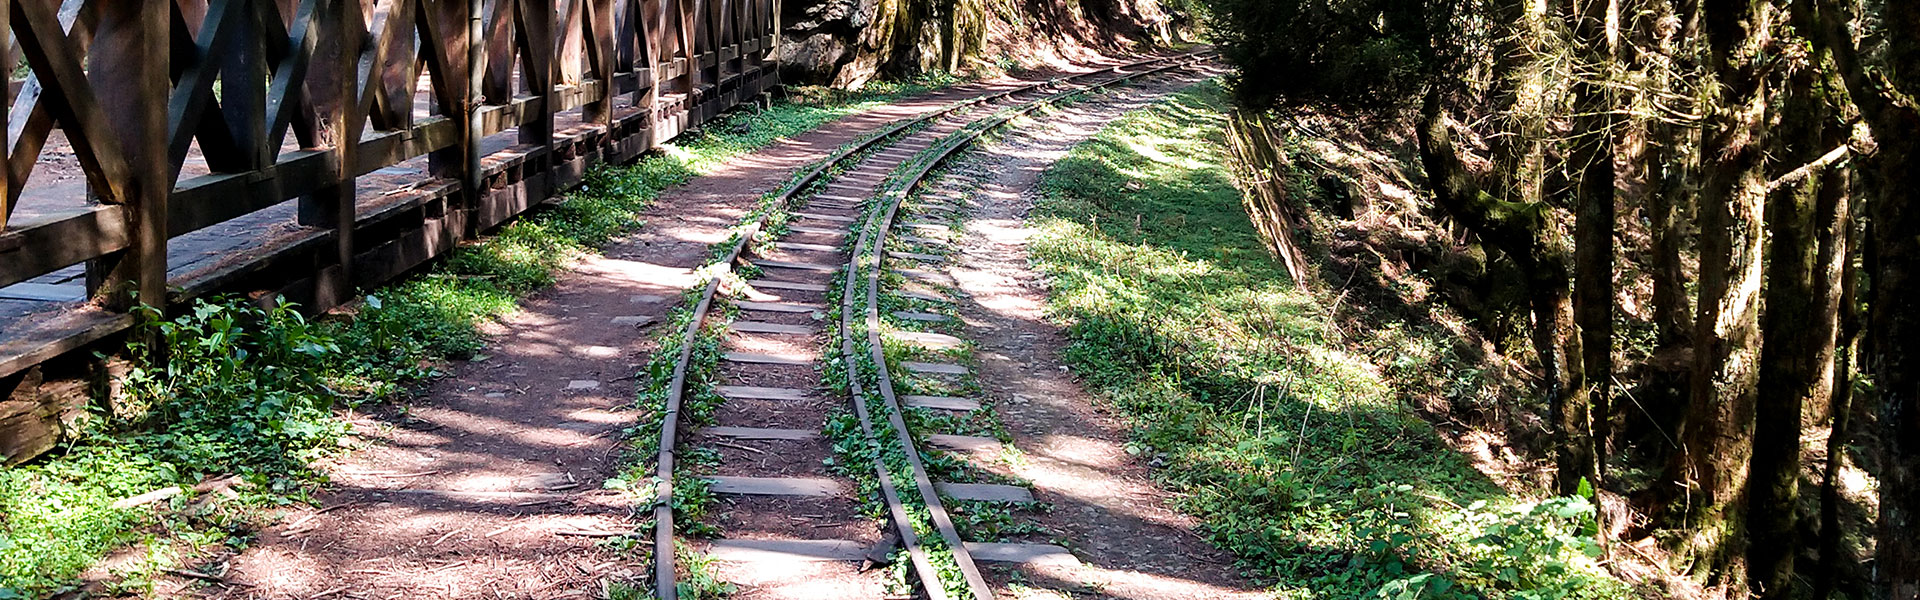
1290 439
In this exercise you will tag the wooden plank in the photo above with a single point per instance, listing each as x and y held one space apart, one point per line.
785 552
930 340
767 359
746 392
211 199
963 442
44 292
777 328
941 402
934 368
799 266
763 433
42 245
1026 554
58 335
933 258
920 316
776 486
821 217
806 247
786 307
985 492
787 285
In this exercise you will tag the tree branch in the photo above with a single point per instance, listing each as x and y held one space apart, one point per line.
1813 168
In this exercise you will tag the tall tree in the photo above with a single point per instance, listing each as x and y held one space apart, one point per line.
1716 435
1594 108
1796 331
1523 231
1883 85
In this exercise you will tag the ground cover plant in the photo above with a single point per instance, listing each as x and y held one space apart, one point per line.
1294 444
248 397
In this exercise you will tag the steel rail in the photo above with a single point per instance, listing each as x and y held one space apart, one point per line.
873 238
665 567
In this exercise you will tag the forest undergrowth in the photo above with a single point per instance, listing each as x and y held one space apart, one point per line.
1294 439
227 427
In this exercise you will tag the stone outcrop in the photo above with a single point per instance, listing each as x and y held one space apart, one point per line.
845 43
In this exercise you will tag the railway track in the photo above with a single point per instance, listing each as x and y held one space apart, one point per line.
809 266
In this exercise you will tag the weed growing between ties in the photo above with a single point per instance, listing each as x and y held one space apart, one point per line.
255 393
1298 453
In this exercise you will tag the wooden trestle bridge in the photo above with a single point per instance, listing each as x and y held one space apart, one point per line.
159 150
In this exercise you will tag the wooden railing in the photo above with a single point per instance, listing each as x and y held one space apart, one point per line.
132 123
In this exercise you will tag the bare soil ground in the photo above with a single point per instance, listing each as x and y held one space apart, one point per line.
487 484
1105 505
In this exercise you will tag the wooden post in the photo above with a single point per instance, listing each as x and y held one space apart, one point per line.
538 71
457 21
600 58
344 24
6 146
129 60
243 92
473 181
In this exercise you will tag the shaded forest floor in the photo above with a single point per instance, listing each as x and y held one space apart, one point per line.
1288 428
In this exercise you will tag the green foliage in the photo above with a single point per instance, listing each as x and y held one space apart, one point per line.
696 581
1295 450
1338 55
245 391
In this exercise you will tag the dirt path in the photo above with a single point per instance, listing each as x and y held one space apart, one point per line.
488 485
1105 506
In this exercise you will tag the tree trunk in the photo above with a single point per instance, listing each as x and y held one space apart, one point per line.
1837 248
1717 434
1797 340
1895 358
1892 173
1521 231
1672 171
1593 155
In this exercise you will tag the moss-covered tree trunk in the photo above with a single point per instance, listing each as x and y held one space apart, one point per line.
1884 90
1797 339
1593 155
1670 169
1716 437
1895 324
1522 231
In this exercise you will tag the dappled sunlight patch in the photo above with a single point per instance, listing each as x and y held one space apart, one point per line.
259 399
1291 439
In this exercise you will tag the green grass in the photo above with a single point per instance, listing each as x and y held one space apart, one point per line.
256 393
1296 450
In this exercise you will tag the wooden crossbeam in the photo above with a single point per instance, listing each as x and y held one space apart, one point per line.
441 65
386 73
497 86
193 93
55 60
290 49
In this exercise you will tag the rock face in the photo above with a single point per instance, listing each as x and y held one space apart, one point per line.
845 43
820 36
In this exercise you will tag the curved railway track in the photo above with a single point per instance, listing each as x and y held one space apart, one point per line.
857 192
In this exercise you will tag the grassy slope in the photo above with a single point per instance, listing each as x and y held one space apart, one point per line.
254 393
1297 452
